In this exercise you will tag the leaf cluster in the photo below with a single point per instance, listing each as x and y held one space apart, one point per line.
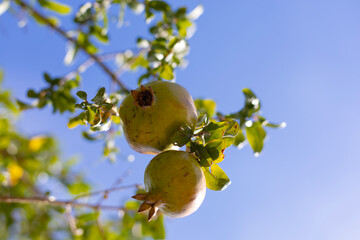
216 133
58 94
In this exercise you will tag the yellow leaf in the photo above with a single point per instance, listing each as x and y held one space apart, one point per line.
37 142
16 172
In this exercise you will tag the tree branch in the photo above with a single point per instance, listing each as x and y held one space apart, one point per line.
116 183
57 29
69 203
87 63
106 191
52 202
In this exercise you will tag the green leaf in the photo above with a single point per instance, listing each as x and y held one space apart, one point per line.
217 130
79 106
217 147
32 94
82 95
99 96
159 6
136 6
149 15
202 153
166 72
274 125
2 178
54 21
78 187
239 138
207 106
1 75
132 205
23 106
255 135
202 121
100 33
55 6
252 103
83 40
48 78
75 121
232 128
181 12
87 217
217 179
248 93
182 135
90 115
212 149
107 106
182 25
251 106
5 99
214 131
140 61
115 119
92 137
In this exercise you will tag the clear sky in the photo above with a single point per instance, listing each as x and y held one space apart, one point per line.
301 57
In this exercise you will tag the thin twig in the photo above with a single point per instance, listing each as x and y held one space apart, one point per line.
88 63
49 201
74 41
106 191
117 182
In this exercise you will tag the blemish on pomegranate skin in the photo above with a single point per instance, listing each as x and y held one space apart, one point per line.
186 174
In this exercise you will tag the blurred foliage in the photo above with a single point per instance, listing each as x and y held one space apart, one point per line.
26 164
27 161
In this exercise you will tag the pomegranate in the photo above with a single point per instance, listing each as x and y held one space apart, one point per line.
158 116
175 185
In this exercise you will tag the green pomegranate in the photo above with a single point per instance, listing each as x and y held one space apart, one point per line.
158 116
175 185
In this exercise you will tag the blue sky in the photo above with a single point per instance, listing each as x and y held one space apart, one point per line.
301 57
